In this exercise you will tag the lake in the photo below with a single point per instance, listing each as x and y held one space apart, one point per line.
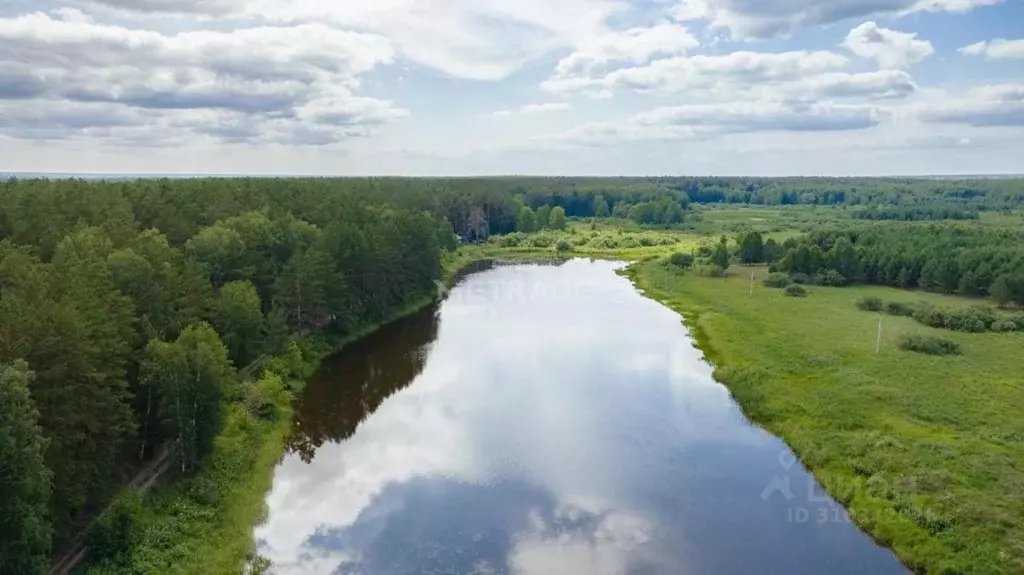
543 420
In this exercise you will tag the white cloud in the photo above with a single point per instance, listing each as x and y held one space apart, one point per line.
995 49
463 38
746 19
988 106
530 109
704 72
757 116
635 46
278 77
207 7
546 107
881 84
890 48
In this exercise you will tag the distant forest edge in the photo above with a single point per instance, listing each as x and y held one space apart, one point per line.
470 203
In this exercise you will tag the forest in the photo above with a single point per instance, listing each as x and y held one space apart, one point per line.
129 312
941 258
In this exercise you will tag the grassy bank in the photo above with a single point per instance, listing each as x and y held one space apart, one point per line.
925 452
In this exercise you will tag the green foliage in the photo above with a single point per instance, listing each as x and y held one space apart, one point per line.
556 220
899 308
681 260
24 478
796 290
776 280
941 258
527 221
870 303
239 321
721 256
930 345
113 535
190 378
1004 325
543 217
563 245
832 278
751 250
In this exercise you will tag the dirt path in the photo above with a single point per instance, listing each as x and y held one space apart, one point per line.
142 481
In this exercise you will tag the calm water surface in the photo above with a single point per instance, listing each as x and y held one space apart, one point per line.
543 420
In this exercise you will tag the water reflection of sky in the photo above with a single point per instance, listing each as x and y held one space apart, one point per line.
561 424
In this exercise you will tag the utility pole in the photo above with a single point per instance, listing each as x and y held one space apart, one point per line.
751 283
878 340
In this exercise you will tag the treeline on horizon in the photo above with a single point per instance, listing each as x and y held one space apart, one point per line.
130 310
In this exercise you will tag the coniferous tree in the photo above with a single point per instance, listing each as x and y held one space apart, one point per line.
24 478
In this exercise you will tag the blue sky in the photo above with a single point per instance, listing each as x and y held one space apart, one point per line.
464 87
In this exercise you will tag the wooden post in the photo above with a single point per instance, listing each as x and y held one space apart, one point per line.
878 340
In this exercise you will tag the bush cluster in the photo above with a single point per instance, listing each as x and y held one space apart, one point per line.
974 319
870 303
930 345
681 260
796 290
776 280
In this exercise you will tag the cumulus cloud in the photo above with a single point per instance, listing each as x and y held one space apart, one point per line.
703 72
987 106
462 38
878 85
635 45
269 76
764 116
530 109
208 7
890 48
747 19
995 49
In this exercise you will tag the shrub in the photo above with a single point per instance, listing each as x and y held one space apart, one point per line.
541 241
776 280
629 242
799 278
796 290
1004 325
648 241
957 320
604 242
681 260
510 240
930 345
869 303
1019 320
563 245
832 278
899 308
112 535
930 316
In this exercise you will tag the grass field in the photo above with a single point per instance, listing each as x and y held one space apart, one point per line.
927 453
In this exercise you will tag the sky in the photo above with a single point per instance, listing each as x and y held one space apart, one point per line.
488 87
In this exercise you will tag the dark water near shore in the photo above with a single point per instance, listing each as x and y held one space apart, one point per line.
543 420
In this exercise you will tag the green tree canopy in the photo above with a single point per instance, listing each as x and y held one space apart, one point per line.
24 478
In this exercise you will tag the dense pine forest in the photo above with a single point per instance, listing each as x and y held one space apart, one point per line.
127 310
132 311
